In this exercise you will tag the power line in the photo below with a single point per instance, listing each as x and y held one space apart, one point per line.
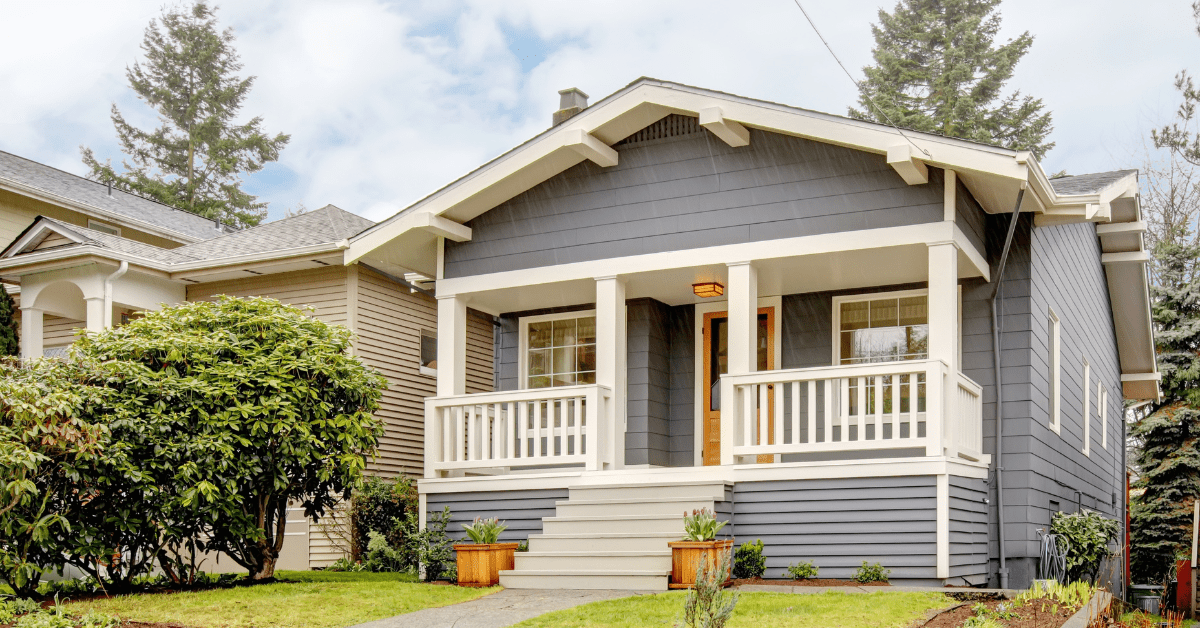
862 91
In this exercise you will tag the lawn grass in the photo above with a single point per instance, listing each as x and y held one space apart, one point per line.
756 610
308 599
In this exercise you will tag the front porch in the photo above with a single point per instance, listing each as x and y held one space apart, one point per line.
809 406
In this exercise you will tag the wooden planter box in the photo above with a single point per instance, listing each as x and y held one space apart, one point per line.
480 565
686 557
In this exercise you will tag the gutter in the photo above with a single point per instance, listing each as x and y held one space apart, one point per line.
997 278
108 285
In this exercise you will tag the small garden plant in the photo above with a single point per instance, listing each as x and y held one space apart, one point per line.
871 573
484 531
748 561
708 605
1088 534
990 618
434 549
701 525
802 570
25 613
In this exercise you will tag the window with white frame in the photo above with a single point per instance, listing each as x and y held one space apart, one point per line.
1086 411
1102 399
883 327
1055 374
428 352
559 350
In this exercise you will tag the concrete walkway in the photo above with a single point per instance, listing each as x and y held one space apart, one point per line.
503 608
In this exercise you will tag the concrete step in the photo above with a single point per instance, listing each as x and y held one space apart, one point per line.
631 506
593 561
603 542
703 490
613 523
630 580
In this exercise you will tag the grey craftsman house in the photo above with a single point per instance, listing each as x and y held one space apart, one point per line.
704 300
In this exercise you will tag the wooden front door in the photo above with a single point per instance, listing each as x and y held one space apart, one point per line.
716 363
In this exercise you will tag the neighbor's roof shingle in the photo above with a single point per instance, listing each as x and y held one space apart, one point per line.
319 226
54 181
1088 183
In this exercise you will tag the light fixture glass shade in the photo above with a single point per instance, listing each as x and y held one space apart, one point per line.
708 289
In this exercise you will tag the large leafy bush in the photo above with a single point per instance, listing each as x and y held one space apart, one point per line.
1088 534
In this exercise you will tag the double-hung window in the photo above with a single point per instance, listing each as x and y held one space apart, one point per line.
559 350
883 328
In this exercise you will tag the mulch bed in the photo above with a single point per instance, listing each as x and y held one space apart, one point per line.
808 582
1033 614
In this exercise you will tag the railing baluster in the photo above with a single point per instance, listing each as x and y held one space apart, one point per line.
522 429
913 391
844 409
895 407
778 388
579 405
472 436
537 428
812 411
749 417
447 433
862 408
762 433
878 407
795 413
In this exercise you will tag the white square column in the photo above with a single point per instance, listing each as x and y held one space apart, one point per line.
95 314
452 346
31 333
743 345
611 354
944 334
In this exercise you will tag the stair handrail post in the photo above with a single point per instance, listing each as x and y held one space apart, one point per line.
433 437
730 418
596 411
935 412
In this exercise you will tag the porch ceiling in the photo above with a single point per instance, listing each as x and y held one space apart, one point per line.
839 270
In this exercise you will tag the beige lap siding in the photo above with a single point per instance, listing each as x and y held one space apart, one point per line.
58 331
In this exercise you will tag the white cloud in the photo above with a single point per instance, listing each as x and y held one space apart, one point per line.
387 102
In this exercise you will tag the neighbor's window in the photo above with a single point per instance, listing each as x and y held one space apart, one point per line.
1055 375
1086 410
884 329
104 227
561 352
428 351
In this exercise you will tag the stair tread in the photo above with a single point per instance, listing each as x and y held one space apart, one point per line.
630 500
613 517
618 553
605 535
585 572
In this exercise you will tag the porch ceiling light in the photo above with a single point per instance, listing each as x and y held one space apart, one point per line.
708 289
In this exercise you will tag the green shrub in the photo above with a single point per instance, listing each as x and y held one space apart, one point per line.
523 546
701 525
52 617
382 556
11 609
1088 534
801 571
707 604
434 549
380 506
345 564
871 573
92 619
748 561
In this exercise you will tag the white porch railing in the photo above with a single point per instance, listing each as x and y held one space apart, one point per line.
523 428
897 405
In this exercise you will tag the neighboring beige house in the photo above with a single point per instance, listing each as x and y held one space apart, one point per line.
83 259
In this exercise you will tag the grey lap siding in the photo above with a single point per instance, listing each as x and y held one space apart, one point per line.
522 511
968 531
693 191
648 383
839 523
683 386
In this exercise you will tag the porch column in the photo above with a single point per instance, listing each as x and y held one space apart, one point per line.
452 345
95 313
743 350
943 336
611 340
31 333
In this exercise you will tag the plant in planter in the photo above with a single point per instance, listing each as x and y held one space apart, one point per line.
480 562
700 544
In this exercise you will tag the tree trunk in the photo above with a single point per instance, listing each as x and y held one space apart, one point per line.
267 557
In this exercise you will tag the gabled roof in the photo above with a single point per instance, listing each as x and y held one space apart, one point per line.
320 231
30 178
1088 183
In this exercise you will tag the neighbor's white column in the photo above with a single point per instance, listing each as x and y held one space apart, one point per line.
743 349
452 345
95 314
31 333
611 341
943 330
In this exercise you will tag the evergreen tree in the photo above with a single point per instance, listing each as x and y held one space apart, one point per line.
938 70
10 342
1168 458
194 159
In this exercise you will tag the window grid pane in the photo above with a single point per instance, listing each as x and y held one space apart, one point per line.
561 352
884 330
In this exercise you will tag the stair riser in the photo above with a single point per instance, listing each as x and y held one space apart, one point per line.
707 492
621 526
622 582
567 509
593 563
599 544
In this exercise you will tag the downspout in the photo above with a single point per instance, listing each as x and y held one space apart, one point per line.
108 283
996 331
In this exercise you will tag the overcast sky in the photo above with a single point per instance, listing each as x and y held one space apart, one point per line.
388 101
